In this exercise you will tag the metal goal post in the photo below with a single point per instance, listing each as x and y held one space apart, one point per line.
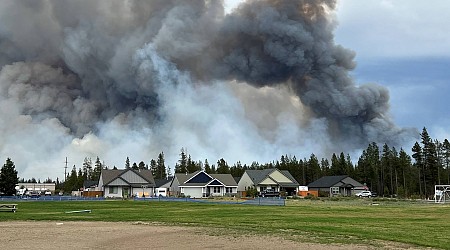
441 193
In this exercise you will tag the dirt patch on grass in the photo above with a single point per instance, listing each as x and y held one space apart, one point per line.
140 235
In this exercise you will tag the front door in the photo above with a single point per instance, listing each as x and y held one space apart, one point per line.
126 192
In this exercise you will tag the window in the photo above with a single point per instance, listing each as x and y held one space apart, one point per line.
113 190
229 190
216 190
335 190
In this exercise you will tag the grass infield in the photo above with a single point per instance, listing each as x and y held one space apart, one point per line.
350 221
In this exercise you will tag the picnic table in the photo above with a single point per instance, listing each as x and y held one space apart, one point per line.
8 207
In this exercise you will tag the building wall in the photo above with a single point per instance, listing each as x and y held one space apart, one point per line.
279 177
244 182
193 192
138 191
112 195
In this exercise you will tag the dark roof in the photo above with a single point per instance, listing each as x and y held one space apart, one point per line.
226 179
90 183
160 182
110 175
258 176
330 181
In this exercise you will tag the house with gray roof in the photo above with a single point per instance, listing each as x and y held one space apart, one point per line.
124 183
201 185
272 178
342 185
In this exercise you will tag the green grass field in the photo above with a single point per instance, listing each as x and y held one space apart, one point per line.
348 221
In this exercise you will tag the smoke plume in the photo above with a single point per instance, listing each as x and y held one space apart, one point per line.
113 78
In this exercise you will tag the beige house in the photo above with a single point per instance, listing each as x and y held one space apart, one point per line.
273 179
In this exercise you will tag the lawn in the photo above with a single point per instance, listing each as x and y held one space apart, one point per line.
349 221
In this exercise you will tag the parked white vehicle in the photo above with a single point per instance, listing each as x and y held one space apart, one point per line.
364 194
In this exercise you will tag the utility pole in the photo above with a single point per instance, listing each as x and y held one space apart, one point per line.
65 171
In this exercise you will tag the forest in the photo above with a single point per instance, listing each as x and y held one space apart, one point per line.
386 170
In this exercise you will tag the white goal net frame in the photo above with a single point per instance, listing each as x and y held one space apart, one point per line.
441 193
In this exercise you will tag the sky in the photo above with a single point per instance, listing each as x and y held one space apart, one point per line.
401 45
405 46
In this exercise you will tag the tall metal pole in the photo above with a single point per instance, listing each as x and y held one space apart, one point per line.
65 171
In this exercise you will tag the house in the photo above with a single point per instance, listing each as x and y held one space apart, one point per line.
201 184
162 186
124 183
22 188
273 179
337 185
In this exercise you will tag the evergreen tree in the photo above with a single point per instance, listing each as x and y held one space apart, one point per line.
87 167
97 170
134 166
161 167
141 165
207 167
419 163
8 178
222 167
404 162
71 182
446 156
325 167
430 163
181 166
313 169
153 167
192 166
127 163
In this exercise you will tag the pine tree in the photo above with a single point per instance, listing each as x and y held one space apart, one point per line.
127 163
222 167
8 178
207 167
430 163
161 167
446 156
153 167
404 162
97 170
181 166
135 166
419 163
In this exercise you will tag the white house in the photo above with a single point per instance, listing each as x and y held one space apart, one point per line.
200 185
124 183
275 179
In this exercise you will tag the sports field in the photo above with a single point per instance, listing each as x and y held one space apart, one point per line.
359 223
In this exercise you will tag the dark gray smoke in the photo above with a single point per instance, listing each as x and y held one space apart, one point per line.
170 73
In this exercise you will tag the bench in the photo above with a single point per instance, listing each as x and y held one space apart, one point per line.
8 207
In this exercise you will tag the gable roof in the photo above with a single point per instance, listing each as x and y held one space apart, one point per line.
257 176
110 175
330 181
189 179
161 182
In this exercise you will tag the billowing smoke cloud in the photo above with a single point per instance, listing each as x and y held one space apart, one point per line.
113 78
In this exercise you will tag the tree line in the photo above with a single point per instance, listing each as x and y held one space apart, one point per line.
386 170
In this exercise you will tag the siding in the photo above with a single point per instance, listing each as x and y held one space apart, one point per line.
193 192
132 177
118 182
279 177
244 182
